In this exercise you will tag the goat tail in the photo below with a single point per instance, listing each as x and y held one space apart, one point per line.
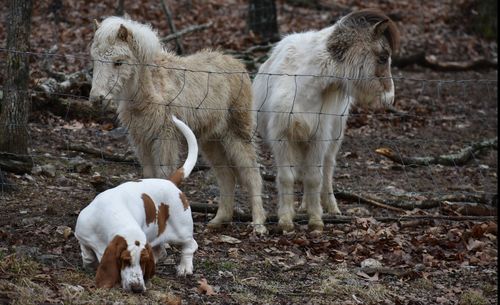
190 162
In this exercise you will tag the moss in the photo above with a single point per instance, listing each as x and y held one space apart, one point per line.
472 297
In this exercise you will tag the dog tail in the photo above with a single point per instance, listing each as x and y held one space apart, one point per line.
190 162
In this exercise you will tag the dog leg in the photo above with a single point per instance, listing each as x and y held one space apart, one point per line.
185 267
89 258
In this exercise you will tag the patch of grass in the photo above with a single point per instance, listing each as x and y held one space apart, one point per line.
472 297
341 283
423 284
18 266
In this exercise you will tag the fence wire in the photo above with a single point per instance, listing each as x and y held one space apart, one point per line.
436 119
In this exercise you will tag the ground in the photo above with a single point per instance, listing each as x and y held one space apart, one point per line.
427 261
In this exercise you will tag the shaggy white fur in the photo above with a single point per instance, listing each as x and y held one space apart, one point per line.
302 97
209 91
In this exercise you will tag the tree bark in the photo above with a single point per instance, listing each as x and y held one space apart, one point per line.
262 19
16 103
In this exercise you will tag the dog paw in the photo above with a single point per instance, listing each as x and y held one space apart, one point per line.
183 270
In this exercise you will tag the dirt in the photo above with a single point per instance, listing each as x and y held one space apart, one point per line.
425 262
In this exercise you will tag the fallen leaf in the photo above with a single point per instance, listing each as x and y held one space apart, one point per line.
229 239
205 288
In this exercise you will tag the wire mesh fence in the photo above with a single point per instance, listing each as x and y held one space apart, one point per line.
433 118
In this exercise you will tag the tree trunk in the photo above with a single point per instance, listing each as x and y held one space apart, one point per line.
16 102
120 8
262 19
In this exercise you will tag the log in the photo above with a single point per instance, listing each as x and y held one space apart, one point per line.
457 159
17 164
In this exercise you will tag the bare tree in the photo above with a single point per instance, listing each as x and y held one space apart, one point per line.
15 105
262 19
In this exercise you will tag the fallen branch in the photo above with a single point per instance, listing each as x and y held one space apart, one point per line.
457 159
430 61
85 148
242 217
185 31
16 164
63 83
363 199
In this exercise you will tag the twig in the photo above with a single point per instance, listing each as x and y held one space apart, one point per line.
185 31
364 199
171 25
460 158
99 153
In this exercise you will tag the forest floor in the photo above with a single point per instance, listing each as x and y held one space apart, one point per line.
424 261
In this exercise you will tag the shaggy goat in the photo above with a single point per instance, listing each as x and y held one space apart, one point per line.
302 96
209 91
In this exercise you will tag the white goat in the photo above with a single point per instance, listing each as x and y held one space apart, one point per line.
209 91
302 96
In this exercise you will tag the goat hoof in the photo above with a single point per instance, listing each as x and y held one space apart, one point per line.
316 226
286 226
260 229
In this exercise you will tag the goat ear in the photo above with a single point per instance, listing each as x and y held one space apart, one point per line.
123 33
379 28
96 24
108 272
148 262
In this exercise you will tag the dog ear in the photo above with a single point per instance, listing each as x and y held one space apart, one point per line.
123 33
108 272
148 265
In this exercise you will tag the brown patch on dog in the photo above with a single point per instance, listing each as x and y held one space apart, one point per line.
114 258
149 208
185 202
177 176
147 262
163 214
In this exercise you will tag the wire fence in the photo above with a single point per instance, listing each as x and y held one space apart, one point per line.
433 117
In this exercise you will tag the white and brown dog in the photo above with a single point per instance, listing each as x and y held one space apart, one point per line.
123 229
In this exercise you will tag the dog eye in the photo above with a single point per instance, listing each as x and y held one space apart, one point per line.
117 63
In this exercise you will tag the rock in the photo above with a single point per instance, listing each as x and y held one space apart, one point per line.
371 263
26 251
48 170
80 165
118 133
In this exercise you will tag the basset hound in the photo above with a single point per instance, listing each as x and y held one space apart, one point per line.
124 229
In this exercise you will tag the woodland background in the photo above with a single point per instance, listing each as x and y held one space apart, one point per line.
419 223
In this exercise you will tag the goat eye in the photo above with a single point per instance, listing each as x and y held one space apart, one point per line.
383 59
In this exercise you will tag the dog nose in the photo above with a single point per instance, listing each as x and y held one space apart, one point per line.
136 288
